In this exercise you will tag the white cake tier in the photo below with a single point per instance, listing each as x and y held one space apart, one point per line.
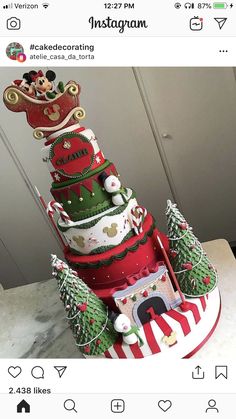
98 233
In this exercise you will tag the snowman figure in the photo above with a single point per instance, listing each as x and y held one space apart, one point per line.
112 185
122 324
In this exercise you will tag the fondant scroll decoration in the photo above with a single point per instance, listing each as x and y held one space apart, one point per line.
38 134
73 89
79 114
11 96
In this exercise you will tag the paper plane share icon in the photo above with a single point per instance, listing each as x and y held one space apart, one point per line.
221 21
60 370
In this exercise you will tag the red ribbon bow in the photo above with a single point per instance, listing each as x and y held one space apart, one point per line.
38 74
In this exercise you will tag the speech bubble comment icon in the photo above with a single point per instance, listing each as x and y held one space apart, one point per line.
37 372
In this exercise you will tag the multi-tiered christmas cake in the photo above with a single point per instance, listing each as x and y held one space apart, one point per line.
128 290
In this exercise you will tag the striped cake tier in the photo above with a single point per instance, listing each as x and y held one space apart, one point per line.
192 330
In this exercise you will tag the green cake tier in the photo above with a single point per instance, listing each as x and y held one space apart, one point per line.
87 197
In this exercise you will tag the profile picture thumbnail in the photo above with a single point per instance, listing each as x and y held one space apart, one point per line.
15 51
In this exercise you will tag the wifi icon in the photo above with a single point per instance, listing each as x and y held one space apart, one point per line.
45 5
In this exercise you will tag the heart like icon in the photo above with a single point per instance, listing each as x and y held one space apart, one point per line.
164 405
14 371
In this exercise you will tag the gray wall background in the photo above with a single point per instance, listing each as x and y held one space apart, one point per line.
170 132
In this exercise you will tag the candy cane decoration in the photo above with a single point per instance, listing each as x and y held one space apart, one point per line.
53 207
138 215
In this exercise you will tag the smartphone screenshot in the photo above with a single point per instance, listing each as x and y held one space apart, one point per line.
117 209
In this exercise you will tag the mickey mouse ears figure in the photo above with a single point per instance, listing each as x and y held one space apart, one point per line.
25 85
44 84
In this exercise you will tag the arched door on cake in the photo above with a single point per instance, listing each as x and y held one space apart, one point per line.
150 307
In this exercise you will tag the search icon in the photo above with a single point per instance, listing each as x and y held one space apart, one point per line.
69 405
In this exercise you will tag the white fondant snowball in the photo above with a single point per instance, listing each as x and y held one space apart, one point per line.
118 200
112 184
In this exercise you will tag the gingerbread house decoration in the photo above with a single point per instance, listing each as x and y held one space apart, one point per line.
150 296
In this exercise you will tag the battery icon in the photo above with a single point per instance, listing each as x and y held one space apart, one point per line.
220 5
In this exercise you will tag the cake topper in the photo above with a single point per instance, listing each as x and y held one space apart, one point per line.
44 84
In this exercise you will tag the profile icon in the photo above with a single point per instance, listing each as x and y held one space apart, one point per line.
15 51
212 406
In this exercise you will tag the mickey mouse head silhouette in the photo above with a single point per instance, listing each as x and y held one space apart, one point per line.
52 112
79 240
111 231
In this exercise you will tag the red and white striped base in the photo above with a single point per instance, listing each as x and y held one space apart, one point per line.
193 328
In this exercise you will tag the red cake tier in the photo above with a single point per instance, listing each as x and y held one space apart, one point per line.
109 272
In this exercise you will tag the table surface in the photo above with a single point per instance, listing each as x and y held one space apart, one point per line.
33 323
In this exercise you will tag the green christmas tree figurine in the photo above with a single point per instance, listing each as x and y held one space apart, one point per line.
86 313
194 271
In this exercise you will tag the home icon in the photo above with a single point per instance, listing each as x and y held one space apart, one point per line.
23 406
